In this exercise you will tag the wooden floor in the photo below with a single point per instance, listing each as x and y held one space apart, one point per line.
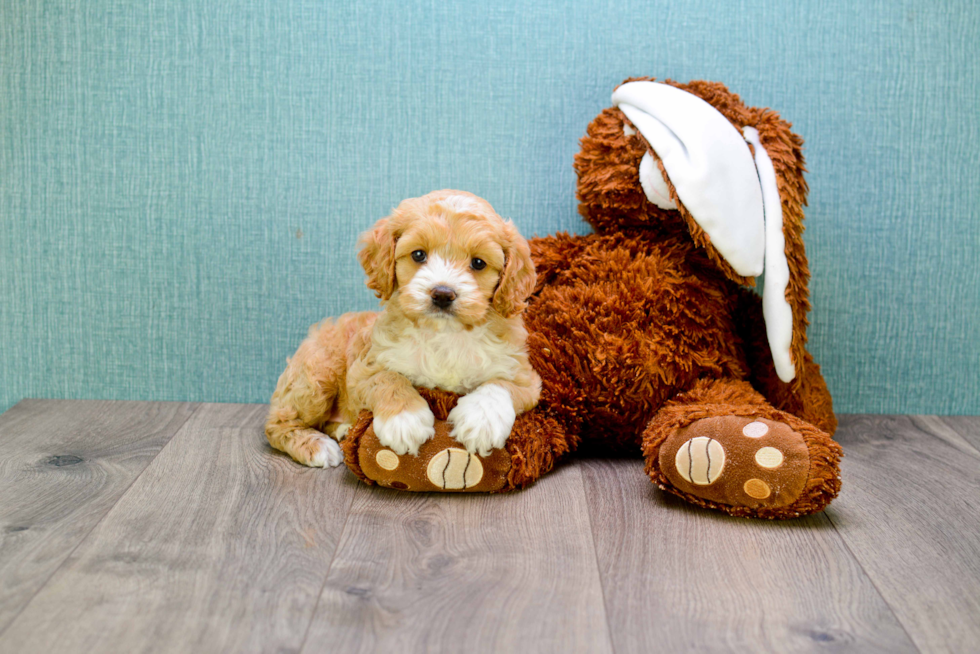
131 526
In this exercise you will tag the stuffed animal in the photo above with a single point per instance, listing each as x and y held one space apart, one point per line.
644 332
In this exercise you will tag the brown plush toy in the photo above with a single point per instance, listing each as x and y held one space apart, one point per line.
644 333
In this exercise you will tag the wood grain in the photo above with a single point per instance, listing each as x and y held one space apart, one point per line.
680 578
965 427
465 573
910 513
170 527
221 544
64 464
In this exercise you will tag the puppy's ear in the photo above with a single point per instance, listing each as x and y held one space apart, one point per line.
377 257
517 278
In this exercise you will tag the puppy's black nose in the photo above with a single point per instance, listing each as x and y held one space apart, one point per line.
443 296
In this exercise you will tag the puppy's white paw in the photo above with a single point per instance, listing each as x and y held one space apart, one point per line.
313 448
483 419
326 453
405 432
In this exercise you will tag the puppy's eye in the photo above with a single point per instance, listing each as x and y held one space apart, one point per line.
418 256
478 264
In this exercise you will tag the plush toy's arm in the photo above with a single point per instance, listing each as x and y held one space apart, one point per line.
534 445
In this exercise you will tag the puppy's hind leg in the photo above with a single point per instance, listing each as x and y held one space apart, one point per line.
305 402
289 428
311 448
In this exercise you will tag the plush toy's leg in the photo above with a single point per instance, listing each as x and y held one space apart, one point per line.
443 465
721 445
806 396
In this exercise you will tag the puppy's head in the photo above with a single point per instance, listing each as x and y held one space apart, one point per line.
448 256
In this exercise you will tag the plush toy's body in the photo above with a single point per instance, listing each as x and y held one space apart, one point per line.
646 339
623 323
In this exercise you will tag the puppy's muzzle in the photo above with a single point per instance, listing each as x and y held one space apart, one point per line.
443 296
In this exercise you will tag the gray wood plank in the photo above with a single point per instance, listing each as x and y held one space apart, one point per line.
966 427
680 578
910 513
64 464
220 545
465 573
952 431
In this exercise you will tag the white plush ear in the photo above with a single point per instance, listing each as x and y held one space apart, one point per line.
709 164
653 183
775 307
732 197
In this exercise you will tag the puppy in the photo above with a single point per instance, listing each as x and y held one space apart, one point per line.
453 278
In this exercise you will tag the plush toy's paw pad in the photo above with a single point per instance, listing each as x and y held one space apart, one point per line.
440 465
751 462
454 469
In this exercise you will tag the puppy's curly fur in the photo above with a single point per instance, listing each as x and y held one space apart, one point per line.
454 278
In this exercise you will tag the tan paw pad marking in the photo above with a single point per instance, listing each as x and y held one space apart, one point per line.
755 429
455 469
769 457
387 459
700 460
756 488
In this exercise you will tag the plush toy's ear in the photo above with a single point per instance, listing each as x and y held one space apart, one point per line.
377 257
517 278
707 170
786 293
708 163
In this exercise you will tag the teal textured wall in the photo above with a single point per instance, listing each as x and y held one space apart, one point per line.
182 183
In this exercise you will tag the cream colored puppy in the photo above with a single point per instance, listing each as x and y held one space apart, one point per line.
453 278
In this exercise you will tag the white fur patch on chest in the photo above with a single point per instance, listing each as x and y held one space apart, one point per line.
456 361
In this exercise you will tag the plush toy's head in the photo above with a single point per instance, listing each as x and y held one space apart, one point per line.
448 257
692 158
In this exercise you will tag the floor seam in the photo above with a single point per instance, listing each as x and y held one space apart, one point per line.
595 556
963 441
872 582
829 516
333 558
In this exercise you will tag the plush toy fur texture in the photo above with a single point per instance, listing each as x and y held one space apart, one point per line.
642 329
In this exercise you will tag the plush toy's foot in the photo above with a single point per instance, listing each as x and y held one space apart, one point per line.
443 465
737 461
749 460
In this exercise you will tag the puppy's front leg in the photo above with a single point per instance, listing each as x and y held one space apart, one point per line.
482 420
402 419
